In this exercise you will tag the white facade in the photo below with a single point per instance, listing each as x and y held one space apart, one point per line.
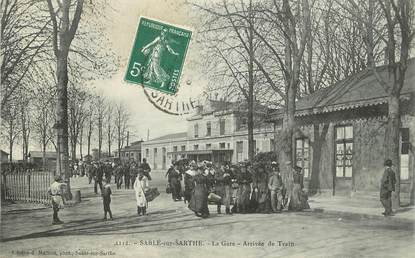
211 135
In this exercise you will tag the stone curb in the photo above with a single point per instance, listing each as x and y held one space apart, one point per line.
355 215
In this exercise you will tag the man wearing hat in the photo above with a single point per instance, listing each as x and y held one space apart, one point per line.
174 181
146 168
275 185
98 176
55 190
387 186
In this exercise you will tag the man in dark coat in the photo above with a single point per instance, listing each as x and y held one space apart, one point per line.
118 175
387 186
127 176
146 168
98 175
174 181
133 172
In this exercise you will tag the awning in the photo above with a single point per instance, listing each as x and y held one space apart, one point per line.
199 152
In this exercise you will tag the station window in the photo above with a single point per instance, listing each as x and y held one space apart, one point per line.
344 151
302 155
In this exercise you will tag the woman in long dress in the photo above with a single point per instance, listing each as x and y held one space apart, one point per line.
244 180
299 199
188 182
199 201
154 51
174 181
140 187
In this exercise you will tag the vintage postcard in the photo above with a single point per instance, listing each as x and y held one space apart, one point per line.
195 128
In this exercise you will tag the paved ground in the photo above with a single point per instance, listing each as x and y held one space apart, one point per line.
171 230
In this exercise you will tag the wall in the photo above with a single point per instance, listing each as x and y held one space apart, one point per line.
262 144
368 155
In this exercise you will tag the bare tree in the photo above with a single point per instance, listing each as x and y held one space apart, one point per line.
23 38
44 117
121 120
109 121
233 48
10 126
397 37
100 115
63 33
90 124
78 98
26 126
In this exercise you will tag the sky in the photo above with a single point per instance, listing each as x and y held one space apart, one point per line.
121 25
121 31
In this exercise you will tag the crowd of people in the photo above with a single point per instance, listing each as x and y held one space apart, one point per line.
249 188
123 174
131 174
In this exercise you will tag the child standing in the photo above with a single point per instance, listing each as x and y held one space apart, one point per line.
106 197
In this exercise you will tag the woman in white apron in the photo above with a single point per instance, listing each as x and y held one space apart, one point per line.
140 187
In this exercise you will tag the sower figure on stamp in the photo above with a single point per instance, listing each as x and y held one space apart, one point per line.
55 190
276 186
387 186
106 198
153 71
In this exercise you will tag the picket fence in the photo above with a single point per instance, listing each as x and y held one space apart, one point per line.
29 186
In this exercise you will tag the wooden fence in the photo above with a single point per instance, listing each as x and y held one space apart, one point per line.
30 186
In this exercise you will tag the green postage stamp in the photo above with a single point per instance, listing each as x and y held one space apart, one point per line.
158 55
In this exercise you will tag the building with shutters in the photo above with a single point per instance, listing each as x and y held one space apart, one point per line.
216 132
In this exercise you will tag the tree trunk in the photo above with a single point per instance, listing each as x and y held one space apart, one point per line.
119 142
319 140
89 138
109 144
11 150
80 143
251 147
392 135
44 155
62 164
99 138
73 149
288 130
